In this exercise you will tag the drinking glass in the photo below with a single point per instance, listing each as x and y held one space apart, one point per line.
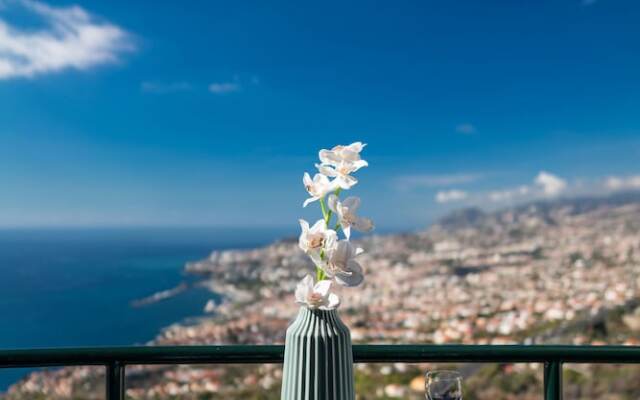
443 385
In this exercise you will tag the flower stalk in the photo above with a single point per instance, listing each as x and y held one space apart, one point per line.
325 214
334 259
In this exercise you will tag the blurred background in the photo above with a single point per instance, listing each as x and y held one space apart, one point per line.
151 162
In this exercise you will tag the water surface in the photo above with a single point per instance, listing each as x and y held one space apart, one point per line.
74 287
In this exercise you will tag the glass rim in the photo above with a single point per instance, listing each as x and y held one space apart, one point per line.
445 374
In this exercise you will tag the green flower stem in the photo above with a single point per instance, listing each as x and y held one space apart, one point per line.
323 207
320 274
326 214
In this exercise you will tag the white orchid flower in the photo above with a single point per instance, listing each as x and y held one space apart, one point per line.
342 172
317 188
316 295
346 212
340 162
341 265
340 153
317 240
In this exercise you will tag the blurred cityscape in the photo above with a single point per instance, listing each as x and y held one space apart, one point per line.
564 271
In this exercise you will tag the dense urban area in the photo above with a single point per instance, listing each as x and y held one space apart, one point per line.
565 271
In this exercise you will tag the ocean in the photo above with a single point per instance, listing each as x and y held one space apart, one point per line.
74 287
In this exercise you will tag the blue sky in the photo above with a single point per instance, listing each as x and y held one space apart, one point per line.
208 113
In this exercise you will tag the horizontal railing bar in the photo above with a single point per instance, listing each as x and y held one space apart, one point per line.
497 353
233 354
263 354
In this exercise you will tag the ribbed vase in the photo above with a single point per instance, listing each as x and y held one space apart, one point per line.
318 358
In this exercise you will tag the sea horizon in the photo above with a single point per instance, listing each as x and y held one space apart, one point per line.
75 286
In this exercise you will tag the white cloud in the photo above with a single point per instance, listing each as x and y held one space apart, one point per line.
448 196
165 87
224 87
466 129
408 182
72 39
508 195
236 84
550 184
616 183
545 185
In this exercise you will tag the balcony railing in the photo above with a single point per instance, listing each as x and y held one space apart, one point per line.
115 359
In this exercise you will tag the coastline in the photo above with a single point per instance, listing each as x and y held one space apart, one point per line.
64 288
521 276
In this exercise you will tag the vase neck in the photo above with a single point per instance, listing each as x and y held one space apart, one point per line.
316 313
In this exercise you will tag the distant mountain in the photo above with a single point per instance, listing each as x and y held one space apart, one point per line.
462 218
543 210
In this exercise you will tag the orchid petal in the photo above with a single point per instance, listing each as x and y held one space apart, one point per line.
349 279
363 224
329 157
317 260
333 202
359 164
356 146
306 179
352 203
302 240
302 289
349 155
333 301
352 277
326 170
308 281
331 241
346 181
340 255
347 231
323 287
309 200
320 179
325 267
319 226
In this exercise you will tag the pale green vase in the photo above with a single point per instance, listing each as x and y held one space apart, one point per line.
318 358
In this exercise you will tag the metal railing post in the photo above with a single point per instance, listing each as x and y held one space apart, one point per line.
553 380
115 381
